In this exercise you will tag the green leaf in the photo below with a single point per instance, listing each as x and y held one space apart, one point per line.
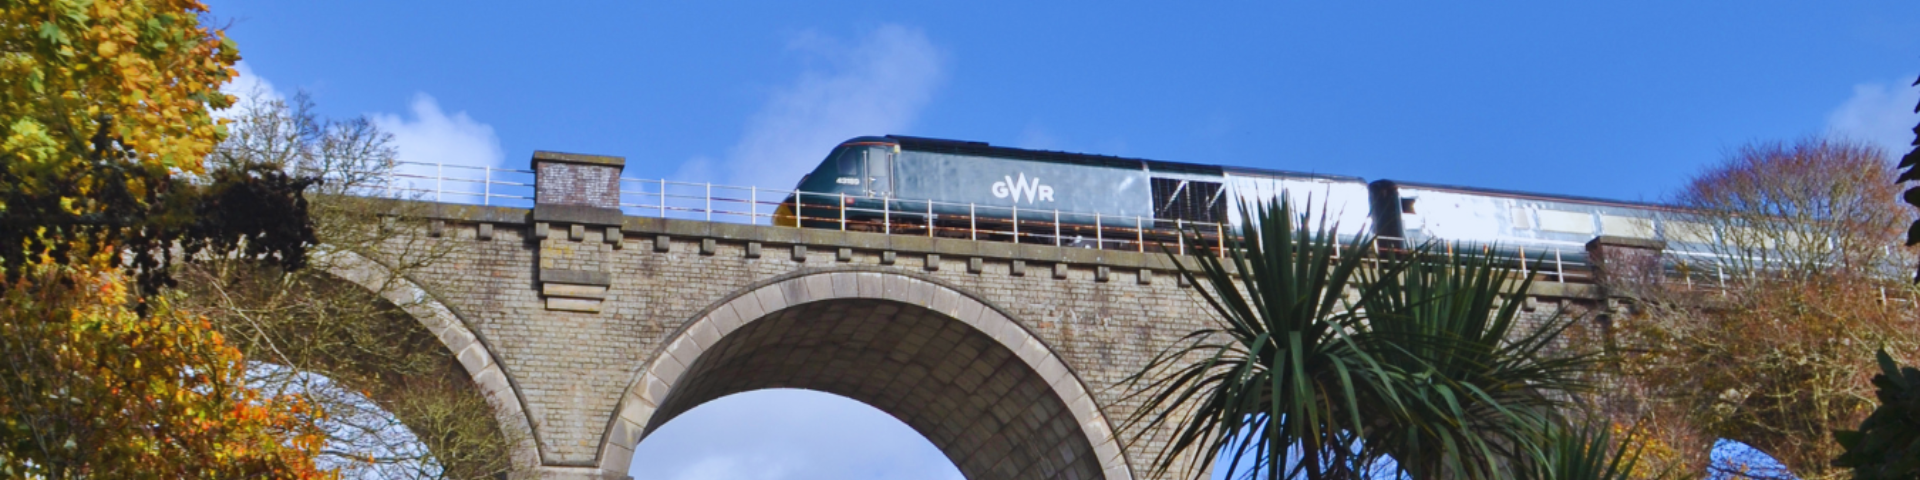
52 33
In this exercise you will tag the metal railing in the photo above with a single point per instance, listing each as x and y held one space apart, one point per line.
661 198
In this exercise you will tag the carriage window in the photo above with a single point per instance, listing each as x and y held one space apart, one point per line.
849 161
1191 200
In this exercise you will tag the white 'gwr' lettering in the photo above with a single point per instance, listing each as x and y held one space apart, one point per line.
1031 189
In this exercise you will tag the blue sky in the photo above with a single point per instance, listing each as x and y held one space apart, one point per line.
1608 99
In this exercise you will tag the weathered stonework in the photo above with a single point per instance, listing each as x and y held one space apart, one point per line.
943 333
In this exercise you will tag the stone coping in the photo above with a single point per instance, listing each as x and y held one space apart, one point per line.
649 227
563 157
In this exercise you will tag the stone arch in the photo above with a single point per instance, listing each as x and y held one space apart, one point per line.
471 350
1032 416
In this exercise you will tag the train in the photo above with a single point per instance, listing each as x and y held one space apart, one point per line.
954 188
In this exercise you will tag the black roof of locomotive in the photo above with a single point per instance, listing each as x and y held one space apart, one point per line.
963 147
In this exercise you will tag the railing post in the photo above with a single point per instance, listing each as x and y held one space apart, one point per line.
1139 234
486 189
973 223
709 207
929 218
663 198
1056 227
1099 237
1180 235
1559 268
843 211
886 216
438 178
753 206
1016 223
1220 239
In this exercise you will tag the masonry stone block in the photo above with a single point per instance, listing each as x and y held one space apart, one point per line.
636 412
870 285
844 254
555 289
944 301
685 350
818 287
1018 268
1101 273
1145 276
799 253
976 265
933 262
1059 271
845 284
750 308
576 232
474 358
726 318
655 390
887 257
574 304
793 292
541 230
706 334
669 368
484 231
710 246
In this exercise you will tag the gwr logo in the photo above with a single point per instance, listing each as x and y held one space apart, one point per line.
1031 189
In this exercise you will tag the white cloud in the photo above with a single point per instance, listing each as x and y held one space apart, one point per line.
1878 113
875 86
248 88
433 136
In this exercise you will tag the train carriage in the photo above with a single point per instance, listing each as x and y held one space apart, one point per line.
957 188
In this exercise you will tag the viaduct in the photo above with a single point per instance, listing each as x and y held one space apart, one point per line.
587 329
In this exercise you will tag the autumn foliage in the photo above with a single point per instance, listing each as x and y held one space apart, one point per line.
93 390
1777 351
104 127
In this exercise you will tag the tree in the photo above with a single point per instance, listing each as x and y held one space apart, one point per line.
1323 364
1776 359
1814 205
399 405
104 129
1911 162
93 390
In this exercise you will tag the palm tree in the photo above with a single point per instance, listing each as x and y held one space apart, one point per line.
1324 364
1479 387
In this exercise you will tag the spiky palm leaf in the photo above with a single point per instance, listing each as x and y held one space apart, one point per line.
1583 453
1479 384
1285 368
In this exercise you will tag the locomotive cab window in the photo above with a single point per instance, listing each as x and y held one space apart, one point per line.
848 162
1189 200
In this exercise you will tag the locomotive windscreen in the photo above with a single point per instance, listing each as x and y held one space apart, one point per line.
1190 200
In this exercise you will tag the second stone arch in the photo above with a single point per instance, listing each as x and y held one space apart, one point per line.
981 387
